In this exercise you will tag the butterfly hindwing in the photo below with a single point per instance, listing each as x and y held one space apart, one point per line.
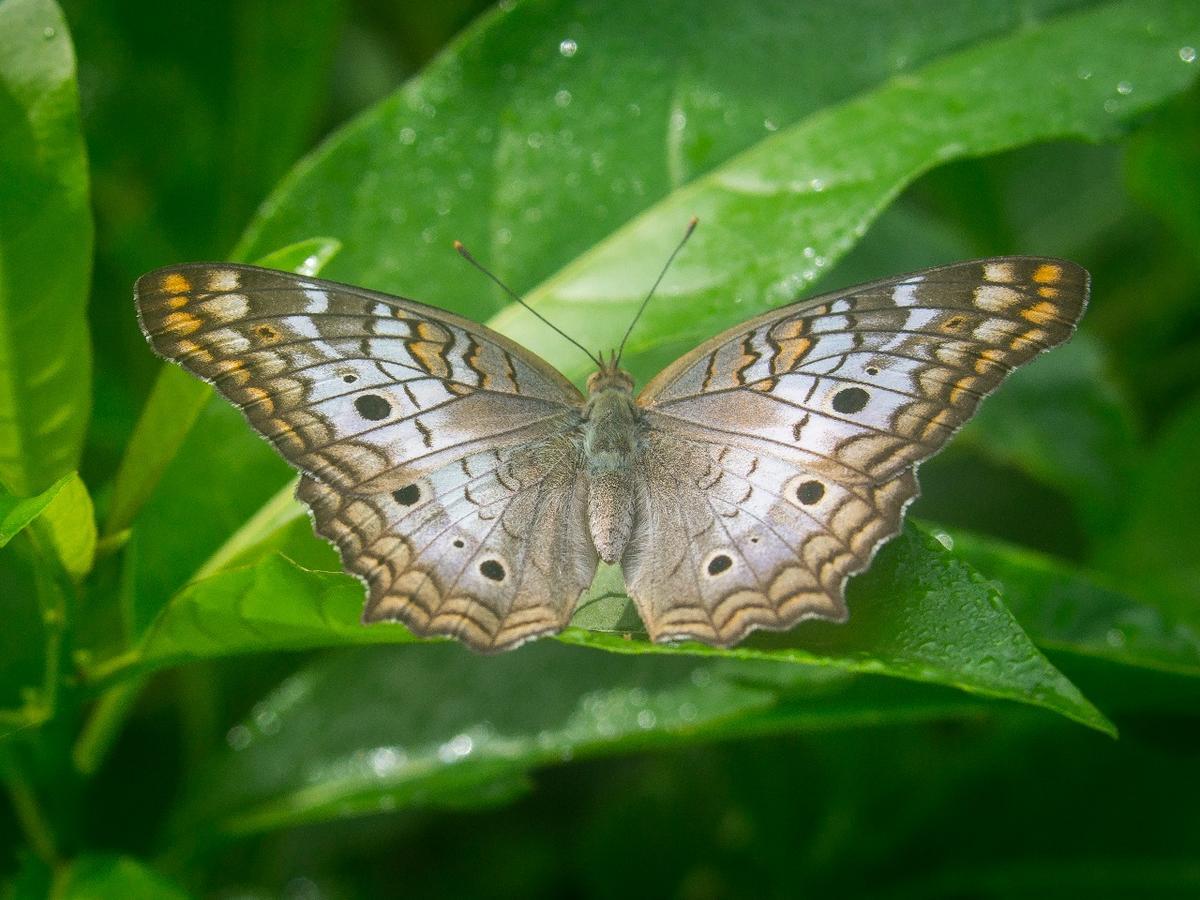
732 540
491 549
361 390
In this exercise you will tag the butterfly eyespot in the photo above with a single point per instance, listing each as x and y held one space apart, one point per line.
491 569
872 370
458 543
719 564
810 492
349 378
850 400
373 407
407 495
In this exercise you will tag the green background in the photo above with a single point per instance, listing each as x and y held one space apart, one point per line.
188 705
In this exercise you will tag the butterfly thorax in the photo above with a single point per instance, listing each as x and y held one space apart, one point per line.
612 438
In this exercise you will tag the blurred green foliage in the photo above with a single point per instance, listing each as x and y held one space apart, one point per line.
188 706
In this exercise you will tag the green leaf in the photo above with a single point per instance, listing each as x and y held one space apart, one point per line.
692 129
97 877
274 605
45 250
918 614
440 726
69 524
16 512
1154 553
1066 610
177 400
828 176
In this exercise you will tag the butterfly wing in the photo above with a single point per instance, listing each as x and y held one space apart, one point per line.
732 540
363 391
437 454
491 549
821 411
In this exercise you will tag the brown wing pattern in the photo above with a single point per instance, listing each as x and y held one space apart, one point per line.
732 540
363 391
862 383
492 549
784 451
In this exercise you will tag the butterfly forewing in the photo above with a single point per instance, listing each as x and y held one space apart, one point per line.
861 383
364 391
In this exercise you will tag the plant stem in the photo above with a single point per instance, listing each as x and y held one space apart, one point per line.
104 724
29 812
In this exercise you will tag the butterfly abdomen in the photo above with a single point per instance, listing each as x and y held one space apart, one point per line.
611 441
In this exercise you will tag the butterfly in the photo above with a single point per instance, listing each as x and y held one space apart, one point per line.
474 489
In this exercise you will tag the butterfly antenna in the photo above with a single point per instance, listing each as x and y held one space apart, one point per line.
466 254
641 309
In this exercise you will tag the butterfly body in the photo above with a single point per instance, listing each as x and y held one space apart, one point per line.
474 490
612 443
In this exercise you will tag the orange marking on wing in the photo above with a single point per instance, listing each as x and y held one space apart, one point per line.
1034 335
938 421
177 302
790 353
180 323
1047 273
191 348
960 387
428 356
258 397
1046 291
235 368
1041 313
176 284
988 357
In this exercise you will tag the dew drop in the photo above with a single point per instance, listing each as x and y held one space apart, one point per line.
1187 54
48 33
646 720
238 737
456 748
535 140
816 185
1110 105
267 720
562 98
384 760
408 136
568 48
770 125
1124 88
